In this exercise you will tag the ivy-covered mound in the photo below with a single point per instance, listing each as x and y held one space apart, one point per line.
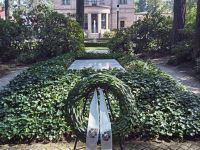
33 105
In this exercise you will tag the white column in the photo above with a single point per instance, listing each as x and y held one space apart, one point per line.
89 23
107 21
99 23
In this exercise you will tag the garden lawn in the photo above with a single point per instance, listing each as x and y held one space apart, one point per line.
32 107
96 48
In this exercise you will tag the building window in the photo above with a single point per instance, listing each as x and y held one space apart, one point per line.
94 21
66 2
86 2
101 2
94 2
122 24
103 21
122 1
86 21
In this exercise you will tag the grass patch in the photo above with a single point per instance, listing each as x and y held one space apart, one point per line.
96 48
92 44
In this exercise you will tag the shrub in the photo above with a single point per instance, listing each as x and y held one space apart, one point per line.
182 52
54 33
10 37
109 34
41 33
32 106
191 16
121 42
150 34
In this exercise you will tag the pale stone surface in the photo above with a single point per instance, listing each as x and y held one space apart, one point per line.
179 75
97 64
5 80
98 51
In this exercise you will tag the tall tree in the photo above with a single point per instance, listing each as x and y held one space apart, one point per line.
7 11
191 2
197 33
154 5
80 12
179 19
19 2
141 6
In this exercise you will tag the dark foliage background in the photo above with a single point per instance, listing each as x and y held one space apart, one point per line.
150 34
38 34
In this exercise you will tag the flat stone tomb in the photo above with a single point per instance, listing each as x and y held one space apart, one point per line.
96 64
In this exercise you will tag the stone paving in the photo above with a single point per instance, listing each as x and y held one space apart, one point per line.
96 64
132 145
179 75
10 76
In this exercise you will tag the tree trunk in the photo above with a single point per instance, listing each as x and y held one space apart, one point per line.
19 2
80 12
7 10
179 19
197 33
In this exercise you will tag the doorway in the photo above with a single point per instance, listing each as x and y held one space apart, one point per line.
94 21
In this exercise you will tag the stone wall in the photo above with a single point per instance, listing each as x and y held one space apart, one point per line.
126 13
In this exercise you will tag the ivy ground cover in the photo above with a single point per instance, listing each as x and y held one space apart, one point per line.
32 108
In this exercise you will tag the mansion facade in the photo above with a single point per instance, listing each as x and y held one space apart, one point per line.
100 15
2 12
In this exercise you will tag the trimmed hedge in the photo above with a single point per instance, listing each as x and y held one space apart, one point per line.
32 106
95 44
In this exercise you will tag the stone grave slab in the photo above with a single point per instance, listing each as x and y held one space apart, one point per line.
96 64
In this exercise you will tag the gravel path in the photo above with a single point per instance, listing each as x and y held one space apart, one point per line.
132 145
10 76
179 74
